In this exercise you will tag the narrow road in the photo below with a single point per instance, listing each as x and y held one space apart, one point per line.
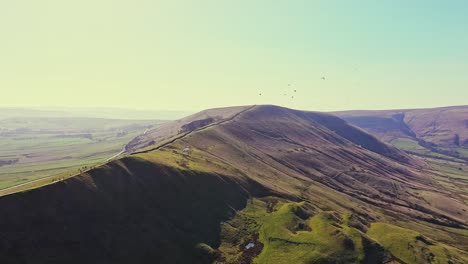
116 155
22 184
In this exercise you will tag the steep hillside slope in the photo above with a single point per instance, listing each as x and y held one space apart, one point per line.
265 185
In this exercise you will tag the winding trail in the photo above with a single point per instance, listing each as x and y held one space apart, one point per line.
116 155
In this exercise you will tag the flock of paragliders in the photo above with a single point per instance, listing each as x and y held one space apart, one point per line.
294 91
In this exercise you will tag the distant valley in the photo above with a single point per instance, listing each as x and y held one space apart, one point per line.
435 132
46 149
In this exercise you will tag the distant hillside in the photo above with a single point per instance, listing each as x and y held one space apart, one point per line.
439 130
254 184
83 112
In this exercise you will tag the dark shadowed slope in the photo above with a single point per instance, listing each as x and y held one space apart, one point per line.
130 211
304 187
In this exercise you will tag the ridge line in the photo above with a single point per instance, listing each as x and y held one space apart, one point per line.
195 130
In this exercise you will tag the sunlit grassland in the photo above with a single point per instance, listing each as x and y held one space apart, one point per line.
412 146
292 233
297 232
412 247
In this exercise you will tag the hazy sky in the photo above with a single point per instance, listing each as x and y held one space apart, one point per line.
192 55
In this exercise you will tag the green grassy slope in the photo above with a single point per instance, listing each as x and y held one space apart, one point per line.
412 247
289 232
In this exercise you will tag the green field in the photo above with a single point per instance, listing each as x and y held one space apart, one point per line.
409 145
412 146
34 148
